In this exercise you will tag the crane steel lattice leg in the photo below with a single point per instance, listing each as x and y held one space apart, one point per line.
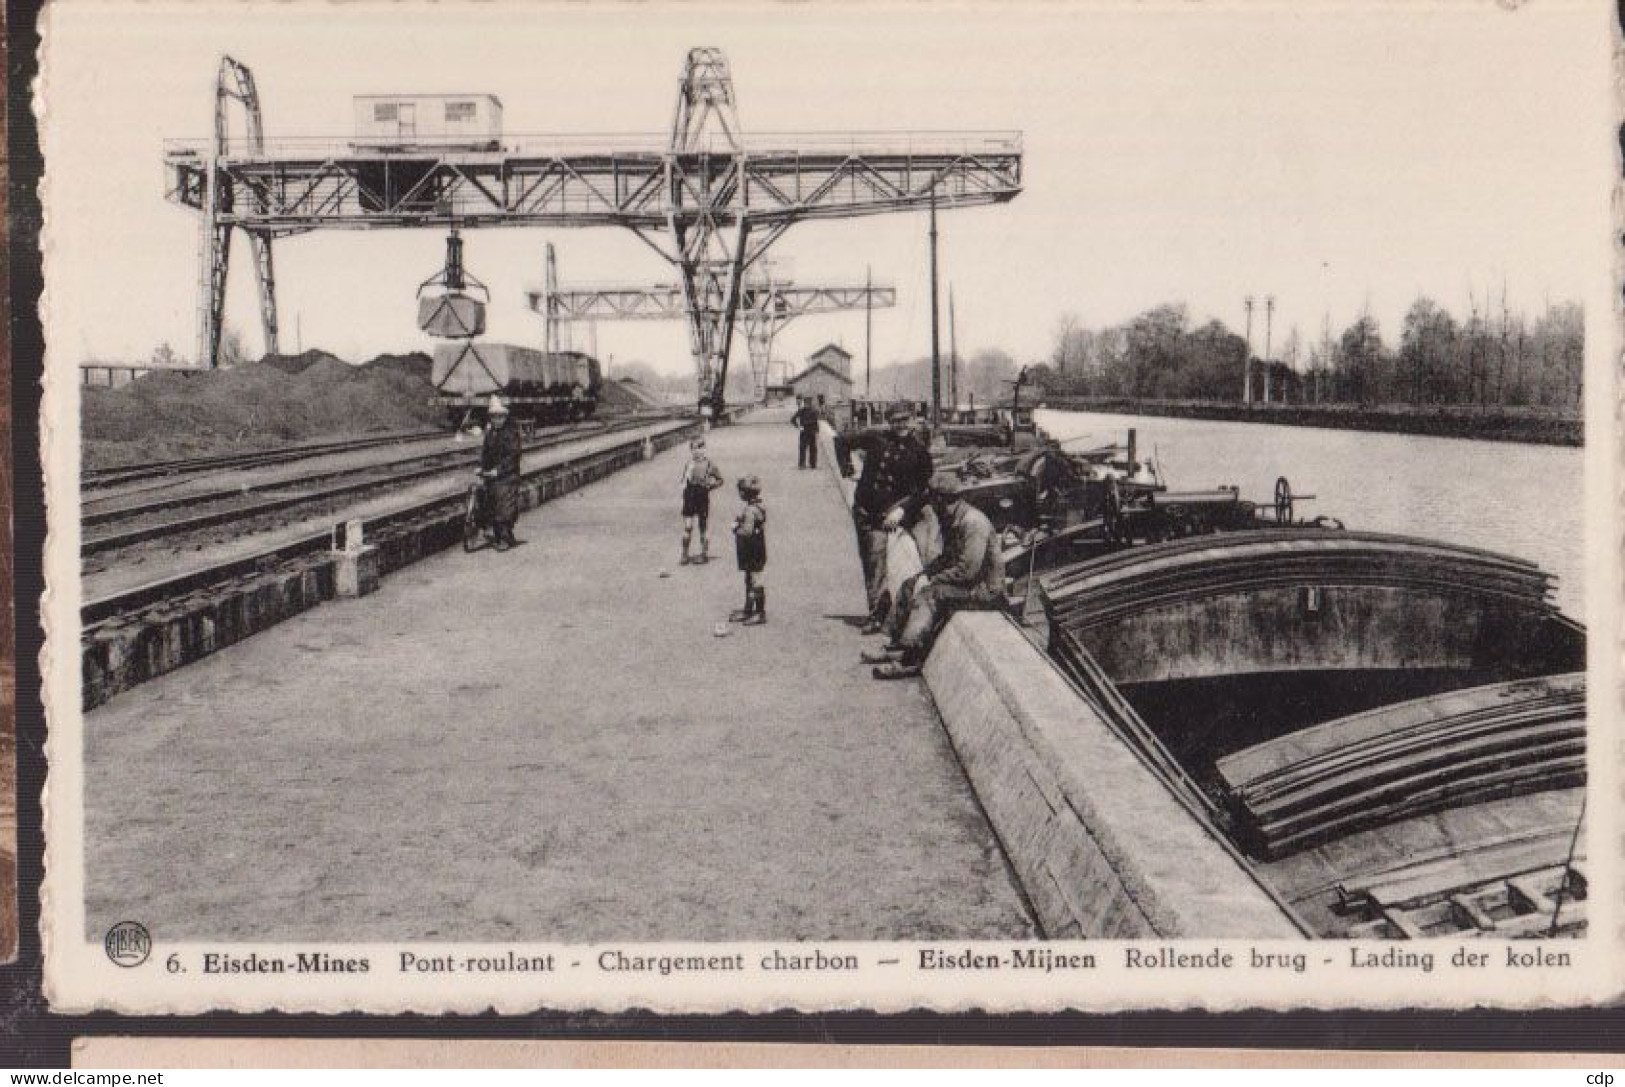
233 82
265 272
214 256
759 341
706 186
721 311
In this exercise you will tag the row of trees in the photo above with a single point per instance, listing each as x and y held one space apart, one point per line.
1498 360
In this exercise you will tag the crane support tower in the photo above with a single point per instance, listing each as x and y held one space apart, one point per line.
766 303
707 198
216 198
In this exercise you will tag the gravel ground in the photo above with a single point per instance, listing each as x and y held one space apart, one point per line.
552 744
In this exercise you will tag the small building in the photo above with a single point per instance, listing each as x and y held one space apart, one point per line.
386 121
835 357
821 380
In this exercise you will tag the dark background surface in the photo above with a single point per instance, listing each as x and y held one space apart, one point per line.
31 1036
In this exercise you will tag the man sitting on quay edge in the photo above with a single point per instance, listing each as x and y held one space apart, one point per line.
895 467
967 576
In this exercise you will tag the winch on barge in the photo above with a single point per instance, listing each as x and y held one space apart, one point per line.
1387 733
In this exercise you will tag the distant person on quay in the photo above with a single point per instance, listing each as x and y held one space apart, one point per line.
750 541
499 467
700 478
807 420
895 467
967 575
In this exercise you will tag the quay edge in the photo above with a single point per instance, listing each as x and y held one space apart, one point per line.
1075 809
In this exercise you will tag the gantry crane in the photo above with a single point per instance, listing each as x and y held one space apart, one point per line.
767 302
708 200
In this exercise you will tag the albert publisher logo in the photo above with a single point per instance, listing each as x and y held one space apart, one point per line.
128 943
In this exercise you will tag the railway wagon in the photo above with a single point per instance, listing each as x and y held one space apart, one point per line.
539 386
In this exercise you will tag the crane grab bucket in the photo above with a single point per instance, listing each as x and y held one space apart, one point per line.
447 309
451 316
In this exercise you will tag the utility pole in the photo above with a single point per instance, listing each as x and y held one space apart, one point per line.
550 287
1247 367
1269 323
1501 369
936 362
1320 390
953 355
868 323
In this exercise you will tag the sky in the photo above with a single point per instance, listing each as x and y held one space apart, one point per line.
1337 156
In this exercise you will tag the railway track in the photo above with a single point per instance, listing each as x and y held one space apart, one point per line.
198 600
231 505
306 548
99 478
131 505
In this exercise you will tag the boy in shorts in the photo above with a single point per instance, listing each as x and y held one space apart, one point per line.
750 540
700 478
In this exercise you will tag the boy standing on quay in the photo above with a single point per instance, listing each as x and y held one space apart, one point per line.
700 478
750 539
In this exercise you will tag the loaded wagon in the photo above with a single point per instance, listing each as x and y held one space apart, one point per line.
539 386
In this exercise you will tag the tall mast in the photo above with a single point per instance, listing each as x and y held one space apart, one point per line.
1269 323
550 289
868 323
953 355
1247 370
936 361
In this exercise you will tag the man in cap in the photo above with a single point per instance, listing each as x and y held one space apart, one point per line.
499 467
807 419
895 467
967 575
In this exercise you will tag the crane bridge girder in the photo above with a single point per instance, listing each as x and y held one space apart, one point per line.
765 306
710 200
286 192
664 302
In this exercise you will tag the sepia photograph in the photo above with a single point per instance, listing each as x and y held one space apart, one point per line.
739 506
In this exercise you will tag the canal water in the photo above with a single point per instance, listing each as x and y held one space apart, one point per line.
1522 500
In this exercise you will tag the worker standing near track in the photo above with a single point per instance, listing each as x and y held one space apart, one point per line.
700 478
499 467
895 467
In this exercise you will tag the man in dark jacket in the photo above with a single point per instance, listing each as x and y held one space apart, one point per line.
967 575
895 466
499 467
807 420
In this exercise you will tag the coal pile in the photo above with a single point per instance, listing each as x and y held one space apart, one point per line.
278 400
630 396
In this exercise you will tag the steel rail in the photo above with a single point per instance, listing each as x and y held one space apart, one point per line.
130 473
116 540
155 593
199 498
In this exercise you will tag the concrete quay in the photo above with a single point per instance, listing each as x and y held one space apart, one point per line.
553 744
